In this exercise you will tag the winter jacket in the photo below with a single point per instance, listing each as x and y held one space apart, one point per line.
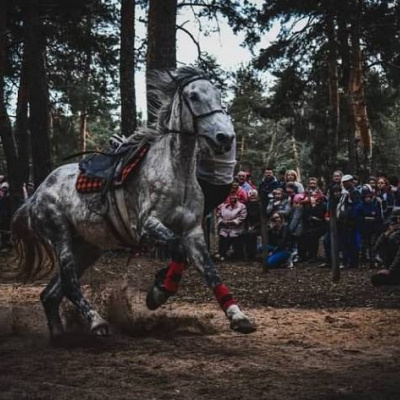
230 220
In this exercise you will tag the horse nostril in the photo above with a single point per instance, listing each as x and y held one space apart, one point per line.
222 138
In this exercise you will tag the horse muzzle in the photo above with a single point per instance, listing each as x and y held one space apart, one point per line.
220 142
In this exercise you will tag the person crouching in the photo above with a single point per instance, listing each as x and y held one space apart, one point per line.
279 243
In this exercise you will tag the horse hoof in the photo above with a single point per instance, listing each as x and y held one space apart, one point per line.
156 297
101 331
56 332
244 326
99 327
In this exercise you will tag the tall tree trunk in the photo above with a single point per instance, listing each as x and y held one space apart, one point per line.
127 68
85 83
22 124
161 47
333 82
344 50
6 134
295 151
39 107
358 108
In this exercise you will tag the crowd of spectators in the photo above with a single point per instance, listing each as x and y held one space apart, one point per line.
297 219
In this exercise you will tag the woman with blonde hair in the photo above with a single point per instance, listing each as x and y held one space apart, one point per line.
291 176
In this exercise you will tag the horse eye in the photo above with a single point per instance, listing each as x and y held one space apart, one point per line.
193 96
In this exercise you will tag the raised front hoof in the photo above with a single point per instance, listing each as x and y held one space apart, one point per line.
156 297
99 327
244 326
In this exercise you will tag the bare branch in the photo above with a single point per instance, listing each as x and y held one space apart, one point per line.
191 37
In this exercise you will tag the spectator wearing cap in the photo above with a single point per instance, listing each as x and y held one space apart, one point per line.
231 217
369 223
5 215
242 179
348 234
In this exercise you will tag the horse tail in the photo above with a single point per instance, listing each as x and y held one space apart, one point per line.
33 254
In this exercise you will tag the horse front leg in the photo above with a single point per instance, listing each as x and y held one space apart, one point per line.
167 280
198 254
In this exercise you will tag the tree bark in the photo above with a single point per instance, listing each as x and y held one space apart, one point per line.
39 107
295 151
333 80
22 124
127 68
85 83
6 133
358 109
161 47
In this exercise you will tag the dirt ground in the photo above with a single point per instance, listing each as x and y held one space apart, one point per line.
315 339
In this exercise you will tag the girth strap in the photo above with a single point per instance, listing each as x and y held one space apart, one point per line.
118 217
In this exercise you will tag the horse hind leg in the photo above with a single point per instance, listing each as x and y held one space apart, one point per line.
85 255
199 256
51 298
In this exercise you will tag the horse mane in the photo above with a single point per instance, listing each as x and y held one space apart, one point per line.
162 86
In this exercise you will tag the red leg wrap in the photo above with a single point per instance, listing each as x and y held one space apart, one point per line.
224 298
173 276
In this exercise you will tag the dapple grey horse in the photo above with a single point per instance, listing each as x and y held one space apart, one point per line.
162 200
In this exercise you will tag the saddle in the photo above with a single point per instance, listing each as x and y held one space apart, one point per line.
100 172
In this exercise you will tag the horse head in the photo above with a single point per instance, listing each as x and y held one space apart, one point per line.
195 109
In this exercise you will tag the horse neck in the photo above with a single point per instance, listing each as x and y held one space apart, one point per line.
178 152
180 147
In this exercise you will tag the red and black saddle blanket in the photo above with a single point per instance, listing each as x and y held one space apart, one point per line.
96 171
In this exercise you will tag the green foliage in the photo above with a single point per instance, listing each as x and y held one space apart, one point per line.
261 141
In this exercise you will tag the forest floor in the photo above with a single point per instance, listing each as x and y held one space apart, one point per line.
315 339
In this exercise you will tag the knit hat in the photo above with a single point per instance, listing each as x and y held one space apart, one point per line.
346 178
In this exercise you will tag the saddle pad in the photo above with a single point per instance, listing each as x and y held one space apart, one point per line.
85 184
